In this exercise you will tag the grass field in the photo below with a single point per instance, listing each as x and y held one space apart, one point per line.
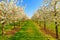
28 31
50 25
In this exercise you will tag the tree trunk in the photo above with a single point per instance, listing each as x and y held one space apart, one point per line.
40 23
14 25
44 25
56 27
2 30
19 23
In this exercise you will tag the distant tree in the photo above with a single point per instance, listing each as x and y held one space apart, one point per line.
44 14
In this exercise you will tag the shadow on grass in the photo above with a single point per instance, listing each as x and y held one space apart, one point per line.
1 35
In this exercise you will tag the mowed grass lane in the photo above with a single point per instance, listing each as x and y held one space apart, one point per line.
28 32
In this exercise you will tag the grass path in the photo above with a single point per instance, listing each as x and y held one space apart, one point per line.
48 33
28 32
31 31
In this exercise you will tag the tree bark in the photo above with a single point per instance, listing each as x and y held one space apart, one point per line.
56 25
19 23
44 24
40 23
2 30
14 25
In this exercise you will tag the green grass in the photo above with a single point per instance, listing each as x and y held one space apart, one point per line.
50 25
7 28
28 32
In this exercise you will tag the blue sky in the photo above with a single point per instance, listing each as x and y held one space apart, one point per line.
31 6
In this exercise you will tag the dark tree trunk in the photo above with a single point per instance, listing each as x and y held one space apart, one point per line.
56 27
44 25
40 23
2 30
19 23
14 25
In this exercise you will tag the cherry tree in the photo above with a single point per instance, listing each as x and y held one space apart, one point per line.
9 12
53 5
44 15
2 16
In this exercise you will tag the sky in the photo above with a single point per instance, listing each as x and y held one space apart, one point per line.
31 6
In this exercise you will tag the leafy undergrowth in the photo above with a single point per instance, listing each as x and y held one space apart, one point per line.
28 32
